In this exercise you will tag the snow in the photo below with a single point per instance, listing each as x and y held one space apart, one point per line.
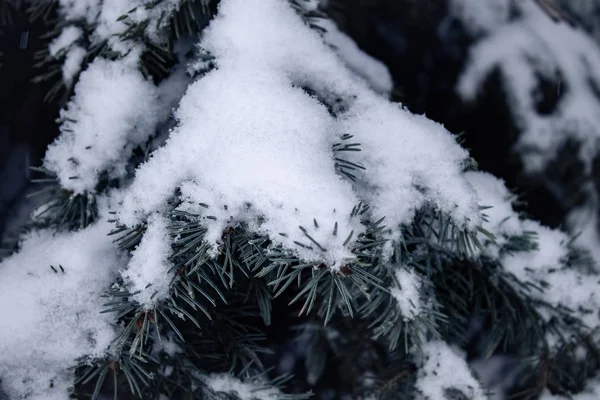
567 287
67 37
243 390
407 293
480 17
148 271
114 109
373 71
534 45
73 10
50 319
72 64
256 148
591 392
543 266
105 15
443 369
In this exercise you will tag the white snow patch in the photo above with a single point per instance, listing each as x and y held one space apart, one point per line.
67 37
73 10
50 319
72 64
113 110
250 139
407 294
591 392
148 271
443 369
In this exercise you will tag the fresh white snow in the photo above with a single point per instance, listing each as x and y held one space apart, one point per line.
50 319
250 139
114 109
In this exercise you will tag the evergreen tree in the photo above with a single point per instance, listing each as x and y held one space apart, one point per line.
219 162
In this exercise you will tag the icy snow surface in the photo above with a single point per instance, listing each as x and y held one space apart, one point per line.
255 147
443 369
114 109
49 319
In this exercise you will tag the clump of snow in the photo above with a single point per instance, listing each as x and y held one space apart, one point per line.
51 317
533 46
148 270
480 17
407 292
223 383
255 147
74 54
113 111
442 369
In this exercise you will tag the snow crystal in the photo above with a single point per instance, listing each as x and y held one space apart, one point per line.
526 49
255 147
444 370
148 271
407 293
51 318
243 390
114 109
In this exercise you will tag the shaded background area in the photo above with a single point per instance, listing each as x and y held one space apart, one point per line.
27 123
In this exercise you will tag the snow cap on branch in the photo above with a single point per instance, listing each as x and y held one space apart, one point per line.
258 149
113 111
